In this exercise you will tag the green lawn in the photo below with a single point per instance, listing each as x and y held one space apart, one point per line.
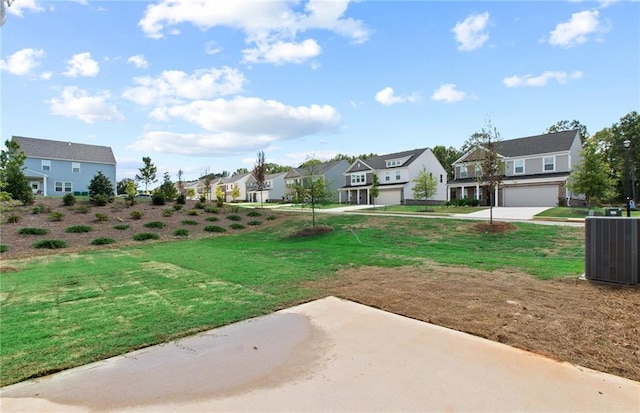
421 209
67 310
568 212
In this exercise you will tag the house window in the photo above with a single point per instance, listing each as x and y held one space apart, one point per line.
477 194
60 186
357 179
46 165
393 163
387 176
549 163
477 170
463 171
75 167
518 166
440 178
398 177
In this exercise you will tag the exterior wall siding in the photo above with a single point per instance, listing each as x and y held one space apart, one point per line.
61 171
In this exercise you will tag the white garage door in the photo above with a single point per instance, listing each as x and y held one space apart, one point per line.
388 197
531 196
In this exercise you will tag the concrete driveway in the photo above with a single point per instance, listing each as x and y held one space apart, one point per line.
506 213
327 355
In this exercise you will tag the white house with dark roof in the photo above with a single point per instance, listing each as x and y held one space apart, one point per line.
58 168
536 171
395 172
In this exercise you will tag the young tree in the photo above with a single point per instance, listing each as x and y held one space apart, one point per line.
316 190
123 184
147 173
259 173
488 141
100 188
167 188
180 182
219 195
591 176
375 189
426 186
12 178
235 192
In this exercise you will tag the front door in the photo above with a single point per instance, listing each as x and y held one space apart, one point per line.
35 187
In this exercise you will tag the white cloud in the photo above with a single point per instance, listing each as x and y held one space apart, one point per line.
82 64
387 97
198 144
470 33
448 93
18 7
76 103
173 86
22 62
541 80
281 52
577 30
46 75
272 26
138 61
212 47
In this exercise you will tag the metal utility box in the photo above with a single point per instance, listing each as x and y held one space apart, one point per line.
613 212
612 249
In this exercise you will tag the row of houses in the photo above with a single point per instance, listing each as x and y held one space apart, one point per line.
536 172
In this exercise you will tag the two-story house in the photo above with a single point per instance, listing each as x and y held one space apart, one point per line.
536 169
395 172
227 184
273 190
58 168
332 173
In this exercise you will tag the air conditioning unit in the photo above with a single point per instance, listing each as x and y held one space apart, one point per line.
612 249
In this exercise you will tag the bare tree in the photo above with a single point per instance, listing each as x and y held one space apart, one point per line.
259 173
491 175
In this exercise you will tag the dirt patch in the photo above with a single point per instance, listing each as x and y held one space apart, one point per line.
312 231
497 227
595 325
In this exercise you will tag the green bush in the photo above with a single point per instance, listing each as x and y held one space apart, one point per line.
69 200
56 216
167 212
214 228
143 236
103 241
33 231
155 224
12 218
102 217
235 209
51 244
77 229
43 208
188 222
4 248
212 210
181 199
36 210
83 209
101 200
234 218
178 207
100 189
158 198
193 212
212 219
121 226
181 232
236 225
136 214
271 217
200 205
254 214
254 223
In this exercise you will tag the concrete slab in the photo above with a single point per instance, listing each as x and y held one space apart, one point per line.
327 355
507 213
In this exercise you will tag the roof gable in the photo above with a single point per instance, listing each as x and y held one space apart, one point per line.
67 151
380 162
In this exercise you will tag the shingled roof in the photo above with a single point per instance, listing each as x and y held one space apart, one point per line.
67 151
380 162
319 169
531 145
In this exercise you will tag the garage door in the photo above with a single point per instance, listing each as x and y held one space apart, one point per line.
531 196
388 197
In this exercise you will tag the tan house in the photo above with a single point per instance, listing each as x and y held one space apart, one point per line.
536 171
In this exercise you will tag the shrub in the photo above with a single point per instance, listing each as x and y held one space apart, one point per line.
188 222
199 205
236 225
102 217
234 218
100 186
4 248
121 227
56 216
219 202
33 231
212 219
77 229
178 207
44 208
69 200
203 199
158 198
214 228
253 223
103 241
155 224
143 236
254 214
193 212
271 217
83 209
12 218
51 244
181 232
100 199
235 209
212 210
136 214
167 212
36 210
181 199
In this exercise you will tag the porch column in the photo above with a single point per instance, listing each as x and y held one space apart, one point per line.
495 198
477 191
448 194
367 196
44 179
340 196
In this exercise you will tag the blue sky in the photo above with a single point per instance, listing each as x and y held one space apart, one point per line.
204 85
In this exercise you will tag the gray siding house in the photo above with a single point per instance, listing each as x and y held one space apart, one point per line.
536 171
56 168
273 191
332 172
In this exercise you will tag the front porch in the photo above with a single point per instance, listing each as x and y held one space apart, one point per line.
474 191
